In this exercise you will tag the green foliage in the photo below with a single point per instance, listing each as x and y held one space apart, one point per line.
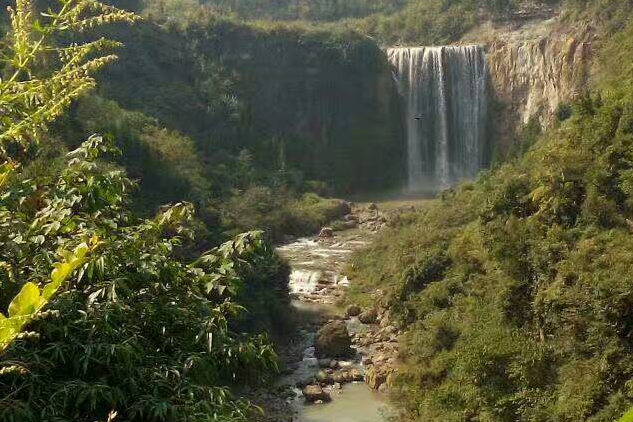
280 213
121 326
165 163
280 92
628 416
516 289
29 301
32 94
390 21
136 330
319 10
31 97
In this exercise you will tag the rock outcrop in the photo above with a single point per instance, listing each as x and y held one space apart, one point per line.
369 316
353 310
314 393
536 63
533 77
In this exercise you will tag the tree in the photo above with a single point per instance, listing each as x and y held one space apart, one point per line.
39 80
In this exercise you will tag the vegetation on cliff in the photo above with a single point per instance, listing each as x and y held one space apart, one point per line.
426 22
211 110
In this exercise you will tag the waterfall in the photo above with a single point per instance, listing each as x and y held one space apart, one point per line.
444 89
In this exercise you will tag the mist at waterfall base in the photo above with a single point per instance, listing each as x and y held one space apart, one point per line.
444 94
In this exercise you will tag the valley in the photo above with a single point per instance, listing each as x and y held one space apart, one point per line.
316 211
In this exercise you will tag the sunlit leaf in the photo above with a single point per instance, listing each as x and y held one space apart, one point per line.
26 302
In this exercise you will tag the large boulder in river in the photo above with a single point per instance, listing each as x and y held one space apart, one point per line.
314 393
376 376
333 340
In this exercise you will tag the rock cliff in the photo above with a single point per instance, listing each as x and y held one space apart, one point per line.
534 67
534 76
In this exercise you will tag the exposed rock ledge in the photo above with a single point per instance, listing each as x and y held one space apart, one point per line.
534 76
534 67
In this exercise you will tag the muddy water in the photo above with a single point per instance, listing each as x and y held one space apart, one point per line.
356 403
317 280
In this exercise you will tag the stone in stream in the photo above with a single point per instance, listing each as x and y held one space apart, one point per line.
326 232
311 362
324 363
324 377
356 375
333 340
314 393
339 377
369 316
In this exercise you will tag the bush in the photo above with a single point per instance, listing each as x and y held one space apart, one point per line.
137 330
278 213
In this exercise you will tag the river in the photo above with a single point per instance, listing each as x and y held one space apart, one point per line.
316 283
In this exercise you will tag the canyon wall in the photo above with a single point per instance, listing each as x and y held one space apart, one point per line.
535 76
534 68
313 105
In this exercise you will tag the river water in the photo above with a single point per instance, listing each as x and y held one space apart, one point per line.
317 280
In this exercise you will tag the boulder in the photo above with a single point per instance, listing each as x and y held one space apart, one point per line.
314 393
339 377
376 377
325 363
333 340
351 218
323 377
356 375
345 364
369 316
326 232
311 362
353 310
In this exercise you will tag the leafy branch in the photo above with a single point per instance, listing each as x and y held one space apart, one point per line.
33 94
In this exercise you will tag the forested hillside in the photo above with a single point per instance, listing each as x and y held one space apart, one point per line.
390 21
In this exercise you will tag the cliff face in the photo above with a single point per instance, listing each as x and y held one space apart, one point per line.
315 102
534 67
329 105
535 76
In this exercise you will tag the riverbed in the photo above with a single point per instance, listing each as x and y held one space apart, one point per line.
317 283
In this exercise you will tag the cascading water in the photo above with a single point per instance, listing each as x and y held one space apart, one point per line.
444 89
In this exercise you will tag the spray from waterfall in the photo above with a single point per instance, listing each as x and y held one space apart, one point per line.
444 89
